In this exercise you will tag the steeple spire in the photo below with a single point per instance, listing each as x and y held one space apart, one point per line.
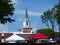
26 14
26 23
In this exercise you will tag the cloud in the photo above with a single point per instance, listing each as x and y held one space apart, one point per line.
34 13
31 13
16 2
34 24
20 19
3 28
34 30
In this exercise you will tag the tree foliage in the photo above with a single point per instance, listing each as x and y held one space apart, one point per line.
57 15
48 31
52 16
6 10
47 17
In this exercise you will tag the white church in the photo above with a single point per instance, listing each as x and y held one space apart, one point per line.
26 32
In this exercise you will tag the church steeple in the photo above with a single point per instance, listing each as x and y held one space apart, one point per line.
26 23
26 15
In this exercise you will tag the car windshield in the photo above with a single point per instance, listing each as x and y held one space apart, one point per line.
44 41
21 41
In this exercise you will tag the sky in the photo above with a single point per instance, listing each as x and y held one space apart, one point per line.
35 10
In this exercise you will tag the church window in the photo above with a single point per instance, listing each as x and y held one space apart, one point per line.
2 37
26 23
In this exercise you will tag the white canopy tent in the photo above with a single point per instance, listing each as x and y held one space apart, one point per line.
14 38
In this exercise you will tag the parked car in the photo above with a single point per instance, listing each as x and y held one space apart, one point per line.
44 41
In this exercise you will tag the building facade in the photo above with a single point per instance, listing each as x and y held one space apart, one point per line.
26 31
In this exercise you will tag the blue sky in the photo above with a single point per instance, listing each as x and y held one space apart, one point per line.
35 10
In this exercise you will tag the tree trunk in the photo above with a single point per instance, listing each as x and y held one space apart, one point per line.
53 30
52 24
59 29
52 27
59 1
47 24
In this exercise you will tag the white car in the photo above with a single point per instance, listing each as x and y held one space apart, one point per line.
44 41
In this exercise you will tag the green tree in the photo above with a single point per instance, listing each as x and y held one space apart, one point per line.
47 17
6 11
57 15
48 32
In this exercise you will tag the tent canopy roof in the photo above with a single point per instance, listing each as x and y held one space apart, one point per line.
14 37
39 36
